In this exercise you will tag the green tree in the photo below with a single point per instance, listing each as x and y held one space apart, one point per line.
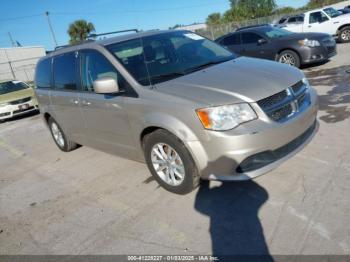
214 19
79 31
254 8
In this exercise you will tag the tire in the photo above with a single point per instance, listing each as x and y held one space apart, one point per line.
344 35
290 57
60 138
178 180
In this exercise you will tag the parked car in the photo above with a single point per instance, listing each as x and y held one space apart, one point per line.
16 98
326 20
344 11
293 19
277 44
180 102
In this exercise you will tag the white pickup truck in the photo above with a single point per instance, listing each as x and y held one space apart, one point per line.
326 20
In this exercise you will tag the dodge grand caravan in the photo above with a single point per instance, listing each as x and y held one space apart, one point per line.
181 103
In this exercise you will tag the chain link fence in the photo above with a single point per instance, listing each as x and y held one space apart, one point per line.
213 32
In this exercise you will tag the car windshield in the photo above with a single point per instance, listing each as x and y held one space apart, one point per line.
274 32
8 87
164 56
332 12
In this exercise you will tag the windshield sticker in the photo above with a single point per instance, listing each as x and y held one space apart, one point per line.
194 36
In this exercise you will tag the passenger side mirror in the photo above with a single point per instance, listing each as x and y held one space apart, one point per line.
106 85
262 41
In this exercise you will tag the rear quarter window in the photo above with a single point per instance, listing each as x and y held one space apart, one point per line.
43 74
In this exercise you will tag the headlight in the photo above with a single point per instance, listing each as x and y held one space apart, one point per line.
309 43
221 118
4 104
306 82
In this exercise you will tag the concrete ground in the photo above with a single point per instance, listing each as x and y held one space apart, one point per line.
89 202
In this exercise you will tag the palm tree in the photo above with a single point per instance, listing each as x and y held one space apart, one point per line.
79 31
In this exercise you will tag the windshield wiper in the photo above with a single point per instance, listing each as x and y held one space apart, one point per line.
197 68
168 75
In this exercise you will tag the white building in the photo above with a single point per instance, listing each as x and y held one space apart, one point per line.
19 62
193 27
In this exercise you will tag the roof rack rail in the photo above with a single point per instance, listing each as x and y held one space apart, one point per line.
115 32
251 26
65 46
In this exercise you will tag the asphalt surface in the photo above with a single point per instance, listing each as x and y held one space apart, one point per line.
89 202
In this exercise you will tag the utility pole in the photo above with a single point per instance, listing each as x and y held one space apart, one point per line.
11 39
9 61
51 29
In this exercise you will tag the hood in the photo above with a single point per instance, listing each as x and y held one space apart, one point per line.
242 79
302 36
341 18
16 95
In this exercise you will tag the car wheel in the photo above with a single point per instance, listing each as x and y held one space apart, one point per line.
60 138
344 35
289 57
170 162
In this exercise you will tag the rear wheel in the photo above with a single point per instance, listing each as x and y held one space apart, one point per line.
344 35
289 57
170 162
60 138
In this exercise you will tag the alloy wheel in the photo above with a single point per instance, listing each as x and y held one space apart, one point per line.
168 164
287 59
57 135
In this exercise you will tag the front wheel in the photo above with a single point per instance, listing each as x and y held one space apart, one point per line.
344 35
289 57
60 138
170 162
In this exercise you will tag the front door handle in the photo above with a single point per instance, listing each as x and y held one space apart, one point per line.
85 103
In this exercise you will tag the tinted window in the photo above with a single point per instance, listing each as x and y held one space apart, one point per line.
282 20
274 32
43 74
95 66
231 40
317 17
250 38
64 70
164 56
292 20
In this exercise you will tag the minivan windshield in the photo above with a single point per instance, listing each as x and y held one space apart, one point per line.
163 56
332 12
10 86
274 32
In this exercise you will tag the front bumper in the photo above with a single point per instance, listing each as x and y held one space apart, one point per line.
11 110
223 154
321 53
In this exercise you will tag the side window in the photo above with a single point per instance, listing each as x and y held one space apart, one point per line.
43 74
64 71
317 17
250 38
232 40
292 20
95 66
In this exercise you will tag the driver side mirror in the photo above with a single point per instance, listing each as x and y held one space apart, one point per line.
262 41
106 85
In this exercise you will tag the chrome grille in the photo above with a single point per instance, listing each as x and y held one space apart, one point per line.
283 105
298 87
20 101
272 100
281 113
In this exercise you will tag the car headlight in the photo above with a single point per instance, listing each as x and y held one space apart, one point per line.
306 83
221 118
309 43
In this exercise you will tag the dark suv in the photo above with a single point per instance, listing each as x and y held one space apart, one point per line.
277 44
